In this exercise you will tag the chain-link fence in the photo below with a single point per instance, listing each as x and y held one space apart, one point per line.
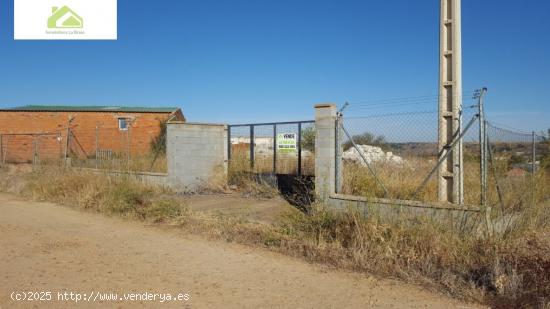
133 148
389 155
140 148
519 169
273 148
37 148
390 150
395 156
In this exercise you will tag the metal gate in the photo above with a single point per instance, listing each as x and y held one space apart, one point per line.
278 148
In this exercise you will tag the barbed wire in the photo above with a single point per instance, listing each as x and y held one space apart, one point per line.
404 101
511 129
394 114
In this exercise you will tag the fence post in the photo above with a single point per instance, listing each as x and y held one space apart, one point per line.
1 149
299 149
461 159
67 142
325 161
534 163
274 149
96 147
128 146
59 141
482 151
488 208
533 166
252 147
34 155
38 141
483 163
339 147
336 152
228 144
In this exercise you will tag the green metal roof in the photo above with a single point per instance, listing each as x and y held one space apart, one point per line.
73 108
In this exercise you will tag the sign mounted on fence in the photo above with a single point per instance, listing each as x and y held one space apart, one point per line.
286 143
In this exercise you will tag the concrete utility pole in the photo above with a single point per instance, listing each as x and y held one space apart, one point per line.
450 101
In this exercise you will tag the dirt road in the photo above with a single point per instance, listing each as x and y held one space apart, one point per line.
49 248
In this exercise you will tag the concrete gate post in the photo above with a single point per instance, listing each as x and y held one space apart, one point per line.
325 152
197 154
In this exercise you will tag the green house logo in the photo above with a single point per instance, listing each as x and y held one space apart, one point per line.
64 18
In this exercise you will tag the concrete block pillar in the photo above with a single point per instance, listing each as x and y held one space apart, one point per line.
325 151
196 154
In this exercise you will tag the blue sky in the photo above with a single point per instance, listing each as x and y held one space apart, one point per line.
257 60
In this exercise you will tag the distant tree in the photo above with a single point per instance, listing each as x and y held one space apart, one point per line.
366 138
308 139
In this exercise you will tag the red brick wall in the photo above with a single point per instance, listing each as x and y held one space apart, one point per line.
20 148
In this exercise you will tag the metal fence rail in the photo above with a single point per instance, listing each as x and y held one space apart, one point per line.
273 148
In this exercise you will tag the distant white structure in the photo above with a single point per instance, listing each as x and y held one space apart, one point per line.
372 154
264 146
261 144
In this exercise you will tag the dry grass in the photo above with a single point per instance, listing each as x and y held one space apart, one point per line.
240 176
263 163
513 271
113 195
402 181
120 162
509 271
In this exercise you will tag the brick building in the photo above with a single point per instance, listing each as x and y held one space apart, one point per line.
31 132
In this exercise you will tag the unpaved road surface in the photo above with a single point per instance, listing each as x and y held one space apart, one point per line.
49 248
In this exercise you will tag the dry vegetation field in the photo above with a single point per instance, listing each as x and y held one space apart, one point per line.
402 181
120 162
506 270
263 163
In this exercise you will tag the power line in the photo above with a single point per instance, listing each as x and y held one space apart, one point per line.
405 99
395 114
392 105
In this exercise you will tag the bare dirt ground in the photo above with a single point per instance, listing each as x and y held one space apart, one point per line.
45 247
233 205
